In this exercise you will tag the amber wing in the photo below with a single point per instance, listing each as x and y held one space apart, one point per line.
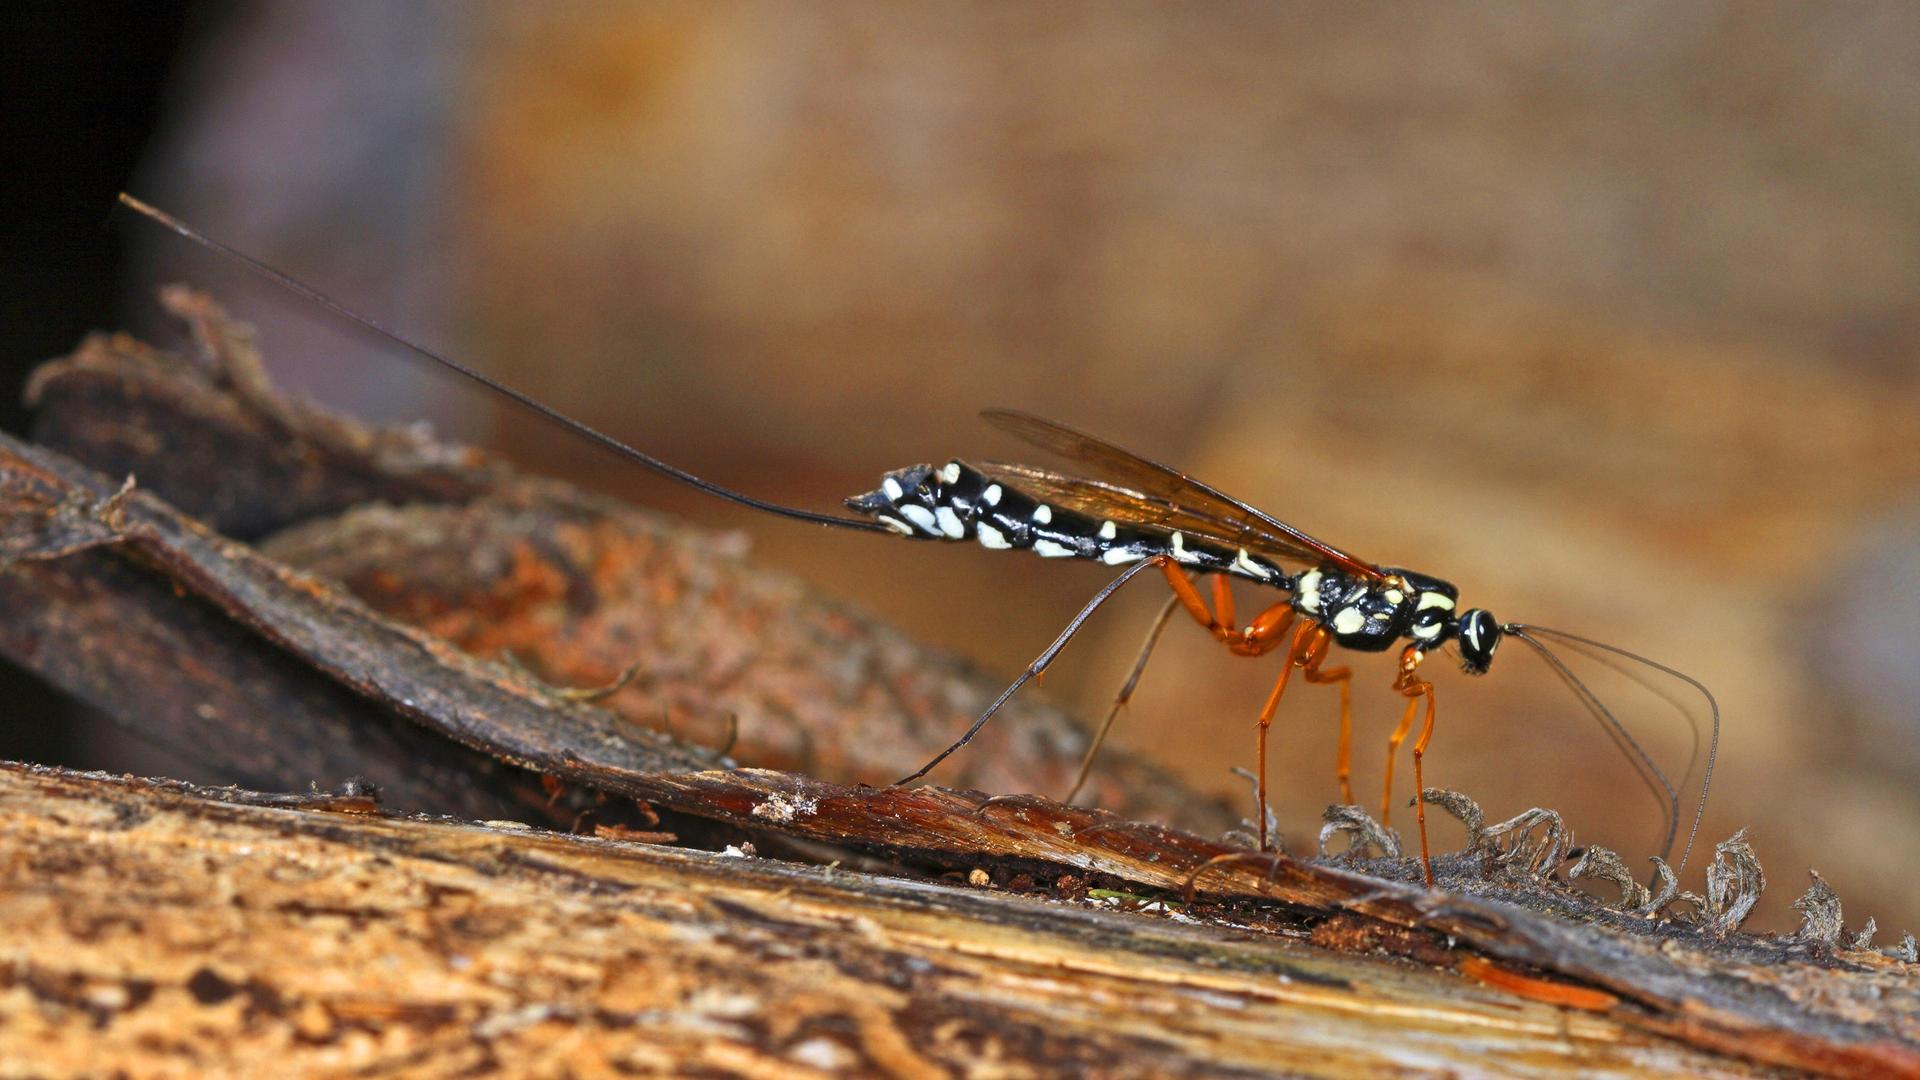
1125 487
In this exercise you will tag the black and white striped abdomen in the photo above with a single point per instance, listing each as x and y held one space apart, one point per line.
958 502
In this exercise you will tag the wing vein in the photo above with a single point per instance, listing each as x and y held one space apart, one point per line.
1125 487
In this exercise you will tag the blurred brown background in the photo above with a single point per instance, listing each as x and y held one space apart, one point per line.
1604 311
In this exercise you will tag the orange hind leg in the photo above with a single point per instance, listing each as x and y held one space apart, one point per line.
1307 649
1303 642
1343 677
1410 685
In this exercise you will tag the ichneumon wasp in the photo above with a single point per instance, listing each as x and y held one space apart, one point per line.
1122 509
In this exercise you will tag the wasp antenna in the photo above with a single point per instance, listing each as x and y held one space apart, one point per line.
1528 634
1643 764
313 295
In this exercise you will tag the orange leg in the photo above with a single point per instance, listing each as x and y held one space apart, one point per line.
1420 783
1308 646
1343 767
1415 688
1223 602
1303 639
1190 597
1262 635
1265 633
1393 750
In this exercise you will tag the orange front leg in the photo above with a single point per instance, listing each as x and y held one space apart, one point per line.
1393 751
1420 782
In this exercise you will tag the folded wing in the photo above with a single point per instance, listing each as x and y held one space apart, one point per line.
1128 488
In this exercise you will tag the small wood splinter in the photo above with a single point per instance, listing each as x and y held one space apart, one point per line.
1547 991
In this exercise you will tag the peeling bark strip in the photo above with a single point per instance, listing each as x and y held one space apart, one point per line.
219 442
210 692
50 507
580 588
150 929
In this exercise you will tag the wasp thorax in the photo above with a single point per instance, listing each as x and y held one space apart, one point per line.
1372 613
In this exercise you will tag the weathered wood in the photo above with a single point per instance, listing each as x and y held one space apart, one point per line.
51 508
1716 999
263 643
219 442
159 931
210 692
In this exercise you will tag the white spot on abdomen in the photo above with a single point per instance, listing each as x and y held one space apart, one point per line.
1116 556
893 489
951 474
1245 562
1043 514
922 517
1108 530
991 496
896 525
990 537
1180 552
1049 549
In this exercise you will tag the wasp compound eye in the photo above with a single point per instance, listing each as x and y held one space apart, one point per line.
1479 636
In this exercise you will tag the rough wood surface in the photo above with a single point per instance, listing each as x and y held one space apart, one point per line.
319 930
165 932
1777 1004
204 689
210 432
55 509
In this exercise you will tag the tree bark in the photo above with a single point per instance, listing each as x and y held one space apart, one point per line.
155 928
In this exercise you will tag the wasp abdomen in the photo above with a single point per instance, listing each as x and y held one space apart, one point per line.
959 502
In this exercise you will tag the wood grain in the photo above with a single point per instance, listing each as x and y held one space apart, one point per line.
167 932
